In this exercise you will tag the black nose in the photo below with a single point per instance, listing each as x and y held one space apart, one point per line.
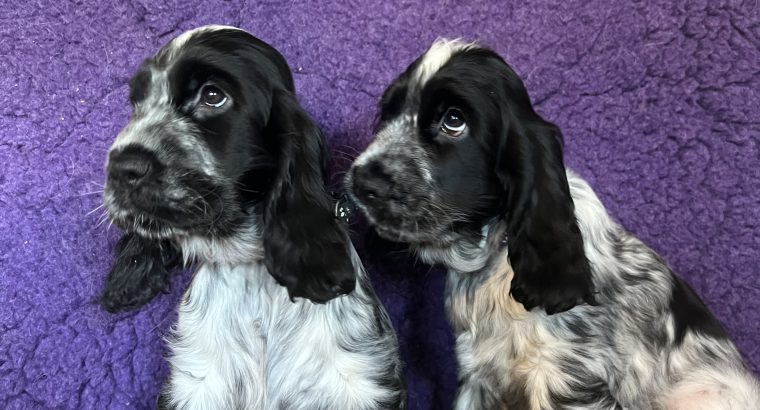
131 166
371 181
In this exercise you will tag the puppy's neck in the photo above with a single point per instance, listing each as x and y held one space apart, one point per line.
471 253
242 246
483 290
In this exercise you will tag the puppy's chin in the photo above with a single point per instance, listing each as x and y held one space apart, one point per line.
165 212
145 225
408 230
397 221
155 220
394 234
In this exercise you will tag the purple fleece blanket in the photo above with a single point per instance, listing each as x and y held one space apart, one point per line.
658 101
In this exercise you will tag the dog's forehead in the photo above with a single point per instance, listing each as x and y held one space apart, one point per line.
152 81
150 86
404 96
439 53
169 53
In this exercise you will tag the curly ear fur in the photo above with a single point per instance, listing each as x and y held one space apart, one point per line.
544 242
306 248
142 269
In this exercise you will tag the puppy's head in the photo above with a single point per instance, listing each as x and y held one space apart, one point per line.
219 158
458 146
195 151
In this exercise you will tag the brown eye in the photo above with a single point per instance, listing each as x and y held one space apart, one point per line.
453 123
213 96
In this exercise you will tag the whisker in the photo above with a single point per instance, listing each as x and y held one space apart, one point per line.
95 209
101 221
343 156
87 193
355 152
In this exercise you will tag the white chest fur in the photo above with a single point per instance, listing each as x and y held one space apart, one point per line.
240 342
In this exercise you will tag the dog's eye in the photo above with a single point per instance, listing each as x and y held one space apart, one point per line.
213 96
453 123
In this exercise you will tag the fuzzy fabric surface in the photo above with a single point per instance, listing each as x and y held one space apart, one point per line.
658 101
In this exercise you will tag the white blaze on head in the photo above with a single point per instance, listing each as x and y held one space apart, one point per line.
437 55
173 47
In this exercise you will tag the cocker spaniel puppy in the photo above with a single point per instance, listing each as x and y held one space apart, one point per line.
219 166
553 303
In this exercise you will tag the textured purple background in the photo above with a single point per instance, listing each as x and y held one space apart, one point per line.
658 101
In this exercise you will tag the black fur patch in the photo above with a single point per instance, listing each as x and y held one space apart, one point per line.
142 269
691 314
306 247
138 86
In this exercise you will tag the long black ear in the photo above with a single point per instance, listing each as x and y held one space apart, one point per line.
142 269
306 248
544 243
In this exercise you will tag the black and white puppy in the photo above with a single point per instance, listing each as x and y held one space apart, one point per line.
219 166
553 303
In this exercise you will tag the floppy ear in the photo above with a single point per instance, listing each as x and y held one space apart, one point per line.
306 249
543 239
141 270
